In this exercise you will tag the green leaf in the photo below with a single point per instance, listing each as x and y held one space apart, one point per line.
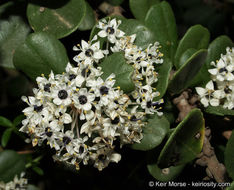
6 137
116 64
59 18
38 170
40 53
183 77
139 8
231 187
144 36
186 141
229 156
13 33
89 20
153 133
219 110
215 49
161 21
11 164
18 120
166 174
163 77
5 122
197 37
186 55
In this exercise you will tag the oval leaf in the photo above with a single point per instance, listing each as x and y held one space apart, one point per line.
219 110
6 137
161 21
12 34
116 64
57 18
185 142
197 37
229 156
153 133
139 8
166 174
183 77
11 164
5 122
215 49
89 20
40 53
186 55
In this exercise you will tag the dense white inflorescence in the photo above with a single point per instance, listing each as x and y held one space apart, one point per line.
220 90
18 183
81 115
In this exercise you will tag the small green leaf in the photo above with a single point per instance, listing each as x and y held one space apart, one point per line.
89 20
161 21
197 37
153 133
5 122
38 170
18 120
13 33
6 137
40 53
215 49
183 77
185 142
163 77
116 64
219 110
139 8
186 55
166 174
11 164
59 18
229 156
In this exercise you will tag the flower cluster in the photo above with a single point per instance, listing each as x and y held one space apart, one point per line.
81 115
220 90
16 184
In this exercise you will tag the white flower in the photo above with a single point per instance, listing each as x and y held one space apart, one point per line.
61 95
110 30
18 183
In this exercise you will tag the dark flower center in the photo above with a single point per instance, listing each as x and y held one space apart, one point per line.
227 90
47 87
222 70
133 118
72 76
38 108
81 149
17 186
148 104
66 140
115 121
101 157
155 105
48 132
89 52
85 72
104 90
83 99
62 94
110 30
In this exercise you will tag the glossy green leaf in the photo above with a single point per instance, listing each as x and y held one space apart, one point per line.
139 8
89 20
40 53
163 77
144 36
6 137
186 141
183 77
59 18
11 164
197 37
5 122
38 170
153 133
166 174
186 55
161 21
229 156
13 33
219 110
116 64
215 49
18 120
